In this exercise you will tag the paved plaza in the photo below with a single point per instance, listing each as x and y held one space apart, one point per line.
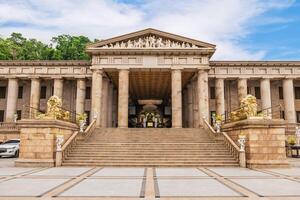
148 183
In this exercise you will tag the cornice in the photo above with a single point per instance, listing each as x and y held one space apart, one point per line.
45 63
253 63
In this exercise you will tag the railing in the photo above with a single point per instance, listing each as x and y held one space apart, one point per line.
230 144
290 128
274 112
29 112
9 127
67 146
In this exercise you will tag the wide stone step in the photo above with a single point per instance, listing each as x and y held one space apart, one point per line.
150 144
152 165
176 157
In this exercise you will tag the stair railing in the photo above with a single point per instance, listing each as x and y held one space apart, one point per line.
230 144
71 142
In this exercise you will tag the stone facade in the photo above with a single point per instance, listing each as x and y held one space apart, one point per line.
175 69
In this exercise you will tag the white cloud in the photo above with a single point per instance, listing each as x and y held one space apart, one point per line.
223 23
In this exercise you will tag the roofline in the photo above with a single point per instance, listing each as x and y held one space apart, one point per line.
258 62
151 30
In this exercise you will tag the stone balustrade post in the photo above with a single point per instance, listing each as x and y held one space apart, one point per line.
12 97
176 99
123 98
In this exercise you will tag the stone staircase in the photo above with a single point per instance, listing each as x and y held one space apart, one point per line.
149 147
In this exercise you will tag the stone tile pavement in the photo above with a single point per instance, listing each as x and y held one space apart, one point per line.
67 183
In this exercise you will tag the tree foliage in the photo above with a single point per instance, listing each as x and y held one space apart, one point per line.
62 47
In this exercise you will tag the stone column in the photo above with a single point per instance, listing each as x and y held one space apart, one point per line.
195 104
96 96
289 100
190 105
220 98
110 105
35 91
176 99
80 96
104 102
242 88
123 98
115 108
265 93
203 104
58 87
12 97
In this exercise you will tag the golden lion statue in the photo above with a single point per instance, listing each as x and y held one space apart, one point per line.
54 110
248 109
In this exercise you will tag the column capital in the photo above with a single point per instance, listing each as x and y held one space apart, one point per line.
56 77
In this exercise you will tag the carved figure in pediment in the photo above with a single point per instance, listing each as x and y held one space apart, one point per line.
117 45
151 41
123 45
168 43
160 42
188 45
147 42
183 45
194 46
129 44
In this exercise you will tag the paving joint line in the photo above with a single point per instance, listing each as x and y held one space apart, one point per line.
235 187
23 174
291 178
63 187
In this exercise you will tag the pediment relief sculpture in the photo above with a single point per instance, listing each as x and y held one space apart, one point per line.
150 41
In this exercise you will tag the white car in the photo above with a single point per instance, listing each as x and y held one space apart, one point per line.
10 148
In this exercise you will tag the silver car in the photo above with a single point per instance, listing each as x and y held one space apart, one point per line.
10 148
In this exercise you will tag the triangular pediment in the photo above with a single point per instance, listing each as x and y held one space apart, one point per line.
150 39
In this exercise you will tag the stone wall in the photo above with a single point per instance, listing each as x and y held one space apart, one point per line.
265 143
38 141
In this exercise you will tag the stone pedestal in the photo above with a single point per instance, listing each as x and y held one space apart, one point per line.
38 141
265 141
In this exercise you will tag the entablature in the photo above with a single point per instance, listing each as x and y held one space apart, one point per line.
23 69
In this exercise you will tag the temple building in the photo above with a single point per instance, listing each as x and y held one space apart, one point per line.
150 98
149 78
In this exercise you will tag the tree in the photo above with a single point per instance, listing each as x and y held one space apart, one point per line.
70 47
63 47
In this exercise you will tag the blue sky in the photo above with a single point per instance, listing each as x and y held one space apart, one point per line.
241 29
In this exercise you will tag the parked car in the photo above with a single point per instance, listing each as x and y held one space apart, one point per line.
10 148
